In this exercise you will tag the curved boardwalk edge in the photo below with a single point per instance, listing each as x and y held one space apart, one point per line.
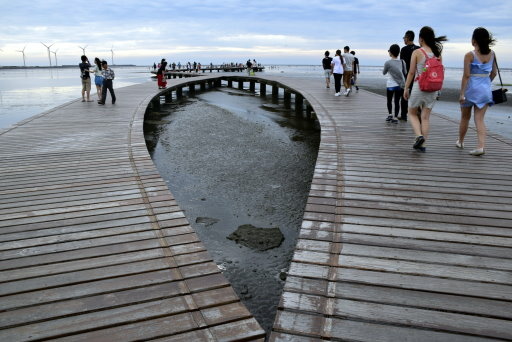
93 245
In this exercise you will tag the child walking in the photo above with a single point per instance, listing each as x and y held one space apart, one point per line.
108 78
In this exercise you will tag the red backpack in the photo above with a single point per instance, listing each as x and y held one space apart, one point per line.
432 77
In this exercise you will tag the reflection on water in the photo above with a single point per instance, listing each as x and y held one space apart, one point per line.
231 163
27 92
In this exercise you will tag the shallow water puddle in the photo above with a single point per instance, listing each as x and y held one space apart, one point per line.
242 174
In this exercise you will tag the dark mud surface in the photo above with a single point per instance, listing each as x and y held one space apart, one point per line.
232 159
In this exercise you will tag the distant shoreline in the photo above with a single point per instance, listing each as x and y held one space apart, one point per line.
57 67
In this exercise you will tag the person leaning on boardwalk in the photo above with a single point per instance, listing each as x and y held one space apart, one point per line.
405 55
348 64
476 88
337 71
355 70
108 78
326 63
431 46
395 69
86 78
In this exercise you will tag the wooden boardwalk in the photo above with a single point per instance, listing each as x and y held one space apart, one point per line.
395 245
93 247
398 245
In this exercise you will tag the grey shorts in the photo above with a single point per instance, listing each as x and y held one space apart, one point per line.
420 98
327 73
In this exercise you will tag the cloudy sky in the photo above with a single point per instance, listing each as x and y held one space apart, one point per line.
270 31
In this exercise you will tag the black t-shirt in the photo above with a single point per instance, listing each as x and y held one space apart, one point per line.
326 62
406 53
84 70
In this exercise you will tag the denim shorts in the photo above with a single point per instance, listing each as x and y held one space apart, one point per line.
327 73
98 80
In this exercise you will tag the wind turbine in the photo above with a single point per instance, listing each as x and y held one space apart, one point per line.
55 54
112 51
48 47
23 52
83 49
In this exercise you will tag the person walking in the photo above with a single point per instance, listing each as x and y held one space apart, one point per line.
326 63
395 69
476 87
348 64
108 83
356 71
249 66
430 46
405 55
337 71
98 77
160 75
86 78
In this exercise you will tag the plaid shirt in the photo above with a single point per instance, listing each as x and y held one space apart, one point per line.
108 74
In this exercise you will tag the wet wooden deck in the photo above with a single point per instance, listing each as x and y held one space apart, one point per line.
395 245
398 245
93 247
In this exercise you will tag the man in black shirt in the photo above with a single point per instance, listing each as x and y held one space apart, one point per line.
405 54
326 63
86 78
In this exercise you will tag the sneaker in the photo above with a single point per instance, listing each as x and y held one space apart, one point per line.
395 121
389 118
459 144
477 152
421 149
418 142
348 92
101 103
357 89
337 94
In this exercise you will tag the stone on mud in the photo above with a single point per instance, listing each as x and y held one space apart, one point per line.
257 238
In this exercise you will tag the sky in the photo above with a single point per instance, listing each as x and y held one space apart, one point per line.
225 31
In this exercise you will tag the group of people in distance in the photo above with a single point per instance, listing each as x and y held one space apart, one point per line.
406 65
342 67
103 79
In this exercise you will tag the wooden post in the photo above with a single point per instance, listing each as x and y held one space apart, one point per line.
155 103
192 89
168 97
287 99
203 86
252 86
240 84
275 93
309 109
230 84
263 89
179 92
218 83
299 104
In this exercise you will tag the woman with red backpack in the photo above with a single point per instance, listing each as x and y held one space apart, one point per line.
424 91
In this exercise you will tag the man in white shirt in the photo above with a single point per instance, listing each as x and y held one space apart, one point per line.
348 65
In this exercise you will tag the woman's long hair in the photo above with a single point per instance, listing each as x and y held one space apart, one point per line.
97 62
483 39
435 43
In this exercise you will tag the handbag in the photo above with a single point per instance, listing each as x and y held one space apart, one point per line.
499 95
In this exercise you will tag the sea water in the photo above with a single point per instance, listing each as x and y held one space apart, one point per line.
27 92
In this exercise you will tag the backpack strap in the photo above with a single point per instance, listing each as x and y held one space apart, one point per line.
426 56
